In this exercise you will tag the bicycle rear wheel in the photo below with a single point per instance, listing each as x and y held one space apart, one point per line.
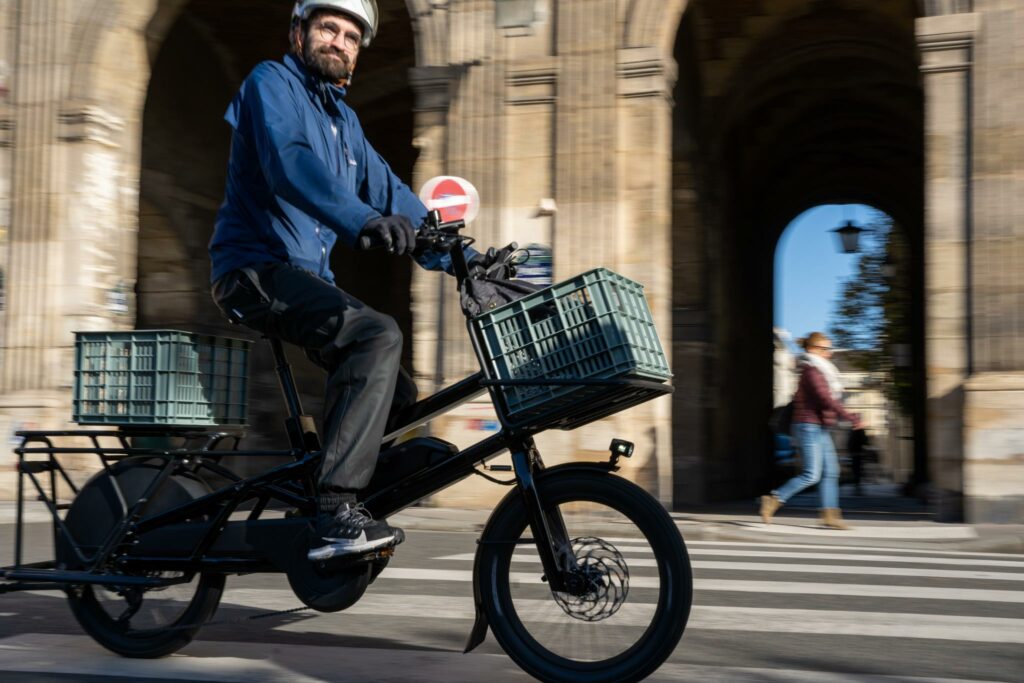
634 589
147 623
134 622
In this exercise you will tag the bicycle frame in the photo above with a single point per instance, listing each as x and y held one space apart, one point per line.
291 484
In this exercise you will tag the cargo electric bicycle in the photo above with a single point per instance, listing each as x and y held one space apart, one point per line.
580 574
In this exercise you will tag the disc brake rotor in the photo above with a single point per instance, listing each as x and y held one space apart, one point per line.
603 581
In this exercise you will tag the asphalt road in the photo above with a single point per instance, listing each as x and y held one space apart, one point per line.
762 612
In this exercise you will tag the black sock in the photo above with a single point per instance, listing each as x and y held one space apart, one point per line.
329 501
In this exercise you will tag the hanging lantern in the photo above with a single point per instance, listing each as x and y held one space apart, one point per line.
849 237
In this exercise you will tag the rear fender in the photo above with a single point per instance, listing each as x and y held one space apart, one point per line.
489 536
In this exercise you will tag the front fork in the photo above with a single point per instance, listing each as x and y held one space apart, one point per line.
547 526
549 535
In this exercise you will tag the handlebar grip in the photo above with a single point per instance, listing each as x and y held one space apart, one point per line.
366 242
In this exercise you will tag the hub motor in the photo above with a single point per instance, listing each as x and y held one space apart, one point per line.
600 583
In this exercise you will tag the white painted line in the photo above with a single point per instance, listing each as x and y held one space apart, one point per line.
916 533
858 548
466 575
719 618
530 556
868 570
850 623
414 574
277 599
858 590
859 557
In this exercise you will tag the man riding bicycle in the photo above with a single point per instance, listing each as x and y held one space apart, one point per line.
302 176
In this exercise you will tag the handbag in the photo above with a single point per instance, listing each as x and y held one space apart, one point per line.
483 295
491 284
781 420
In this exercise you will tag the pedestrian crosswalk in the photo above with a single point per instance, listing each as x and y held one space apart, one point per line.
762 612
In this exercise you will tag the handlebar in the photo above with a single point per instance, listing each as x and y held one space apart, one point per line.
437 236
432 235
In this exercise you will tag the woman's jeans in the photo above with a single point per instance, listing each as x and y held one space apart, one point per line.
820 464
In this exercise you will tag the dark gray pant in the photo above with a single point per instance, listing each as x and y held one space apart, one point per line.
359 348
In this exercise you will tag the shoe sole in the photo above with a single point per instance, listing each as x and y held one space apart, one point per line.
331 551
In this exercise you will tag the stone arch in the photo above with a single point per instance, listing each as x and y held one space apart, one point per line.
96 19
431 28
780 107
652 23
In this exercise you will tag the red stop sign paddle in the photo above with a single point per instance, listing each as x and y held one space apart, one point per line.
455 198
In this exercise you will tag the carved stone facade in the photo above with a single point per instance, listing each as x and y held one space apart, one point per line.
678 139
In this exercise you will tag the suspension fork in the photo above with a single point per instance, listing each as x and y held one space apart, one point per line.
546 525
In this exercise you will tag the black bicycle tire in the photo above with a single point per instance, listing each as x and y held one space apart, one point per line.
149 643
670 617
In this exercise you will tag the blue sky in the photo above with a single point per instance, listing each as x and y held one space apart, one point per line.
809 267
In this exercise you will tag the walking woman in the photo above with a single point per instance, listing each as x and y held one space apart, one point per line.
816 407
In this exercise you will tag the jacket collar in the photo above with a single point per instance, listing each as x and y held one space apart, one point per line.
330 95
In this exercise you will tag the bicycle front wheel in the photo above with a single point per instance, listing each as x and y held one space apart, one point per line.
633 582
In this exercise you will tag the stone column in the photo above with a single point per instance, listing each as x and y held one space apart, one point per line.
994 394
646 79
74 196
946 46
33 378
431 85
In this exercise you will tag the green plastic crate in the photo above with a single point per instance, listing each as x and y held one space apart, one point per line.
160 377
595 326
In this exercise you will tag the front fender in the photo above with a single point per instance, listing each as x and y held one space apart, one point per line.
487 536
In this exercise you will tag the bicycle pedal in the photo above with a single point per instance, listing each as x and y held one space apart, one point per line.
343 563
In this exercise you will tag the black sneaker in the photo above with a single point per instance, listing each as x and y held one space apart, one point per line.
352 531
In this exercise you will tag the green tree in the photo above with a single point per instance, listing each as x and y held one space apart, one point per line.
870 319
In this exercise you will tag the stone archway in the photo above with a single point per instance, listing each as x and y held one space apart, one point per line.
780 106
201 52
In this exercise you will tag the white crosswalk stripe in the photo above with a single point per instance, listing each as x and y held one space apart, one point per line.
526 555
771 620
859 549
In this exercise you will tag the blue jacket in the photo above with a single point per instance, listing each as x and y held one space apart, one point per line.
301 176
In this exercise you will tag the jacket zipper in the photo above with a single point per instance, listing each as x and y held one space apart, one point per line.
323 252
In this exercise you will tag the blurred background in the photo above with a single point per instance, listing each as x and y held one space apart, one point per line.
714 150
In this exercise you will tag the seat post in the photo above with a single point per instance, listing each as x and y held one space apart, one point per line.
301 428
284 376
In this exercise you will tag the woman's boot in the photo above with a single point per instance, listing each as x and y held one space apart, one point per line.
833 519
769 506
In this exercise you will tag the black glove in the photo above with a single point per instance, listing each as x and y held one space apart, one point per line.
393 232
494 263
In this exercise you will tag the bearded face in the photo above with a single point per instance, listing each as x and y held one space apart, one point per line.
329 45
327 61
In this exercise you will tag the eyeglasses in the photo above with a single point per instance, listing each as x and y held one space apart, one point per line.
329 31
823 348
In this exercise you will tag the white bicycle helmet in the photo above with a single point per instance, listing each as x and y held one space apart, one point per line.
363 11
